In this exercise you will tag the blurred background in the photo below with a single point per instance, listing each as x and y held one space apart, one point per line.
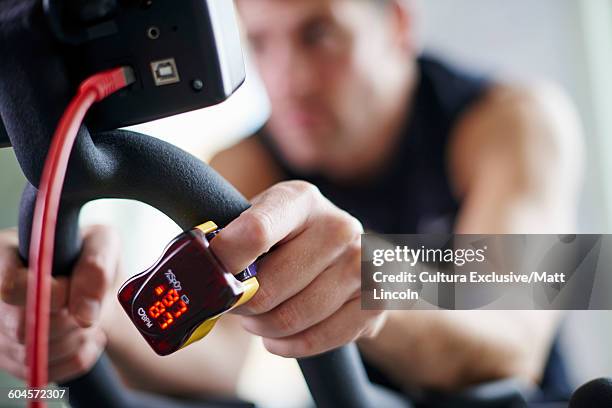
566 41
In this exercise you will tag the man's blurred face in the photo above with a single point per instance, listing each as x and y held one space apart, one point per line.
328 67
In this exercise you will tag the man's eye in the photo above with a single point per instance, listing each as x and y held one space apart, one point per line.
317 34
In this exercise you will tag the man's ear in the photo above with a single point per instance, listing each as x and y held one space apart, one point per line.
402 16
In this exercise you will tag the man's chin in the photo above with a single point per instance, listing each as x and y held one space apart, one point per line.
309 132
321 165
304 165
305 151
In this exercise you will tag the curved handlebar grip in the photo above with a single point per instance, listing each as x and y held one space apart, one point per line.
129 165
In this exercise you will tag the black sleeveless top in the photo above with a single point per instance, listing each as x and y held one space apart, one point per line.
413 195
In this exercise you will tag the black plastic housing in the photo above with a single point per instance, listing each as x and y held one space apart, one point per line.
197 39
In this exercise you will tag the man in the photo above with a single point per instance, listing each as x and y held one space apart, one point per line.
394 143
408 145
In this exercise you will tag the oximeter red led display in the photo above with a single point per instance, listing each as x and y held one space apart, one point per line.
185 288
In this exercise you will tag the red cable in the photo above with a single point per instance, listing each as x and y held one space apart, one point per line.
42 243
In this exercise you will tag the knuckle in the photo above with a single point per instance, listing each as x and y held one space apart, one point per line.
300 190
95 264
352 226
82 359
286 318
303 187
259 228
346 228
97 277
79 362
262 302
306 344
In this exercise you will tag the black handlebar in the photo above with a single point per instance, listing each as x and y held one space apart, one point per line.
128 165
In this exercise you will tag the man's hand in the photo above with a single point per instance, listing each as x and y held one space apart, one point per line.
75 339
309 299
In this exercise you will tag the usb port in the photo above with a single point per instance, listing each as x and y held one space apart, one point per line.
165 72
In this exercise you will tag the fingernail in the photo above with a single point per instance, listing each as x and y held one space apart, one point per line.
88 311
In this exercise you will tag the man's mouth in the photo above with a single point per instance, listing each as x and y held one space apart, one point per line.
305 118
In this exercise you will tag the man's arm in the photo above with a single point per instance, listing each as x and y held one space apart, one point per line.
516 165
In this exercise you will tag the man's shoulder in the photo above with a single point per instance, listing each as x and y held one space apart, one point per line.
514 109
245 149
248 166
525 126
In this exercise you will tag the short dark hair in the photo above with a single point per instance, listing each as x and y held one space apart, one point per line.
381 3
